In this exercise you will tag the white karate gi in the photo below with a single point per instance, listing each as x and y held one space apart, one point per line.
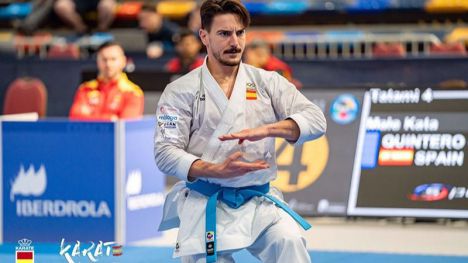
192 113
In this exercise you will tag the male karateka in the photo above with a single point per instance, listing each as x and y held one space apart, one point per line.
216 131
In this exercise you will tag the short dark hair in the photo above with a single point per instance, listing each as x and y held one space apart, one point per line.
148 7
211 8
107 44
183 33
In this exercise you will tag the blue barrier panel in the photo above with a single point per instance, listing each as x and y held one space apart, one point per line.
144 182
79 181
58 181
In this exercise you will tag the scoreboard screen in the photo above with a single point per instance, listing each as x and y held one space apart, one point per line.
411 154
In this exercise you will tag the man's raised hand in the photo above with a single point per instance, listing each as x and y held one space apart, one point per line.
254 134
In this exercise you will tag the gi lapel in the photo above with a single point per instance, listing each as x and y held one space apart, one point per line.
213 89
233 115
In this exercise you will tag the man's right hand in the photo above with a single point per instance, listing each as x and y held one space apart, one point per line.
231 167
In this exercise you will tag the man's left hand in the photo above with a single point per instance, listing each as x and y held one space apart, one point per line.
286 129
254 134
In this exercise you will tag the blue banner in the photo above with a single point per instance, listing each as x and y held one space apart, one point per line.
144 187
58 181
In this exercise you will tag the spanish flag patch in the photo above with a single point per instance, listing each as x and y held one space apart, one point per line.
251 91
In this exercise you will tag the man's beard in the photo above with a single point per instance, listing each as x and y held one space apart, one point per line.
228 63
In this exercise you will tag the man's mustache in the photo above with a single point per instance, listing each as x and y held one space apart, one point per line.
233 50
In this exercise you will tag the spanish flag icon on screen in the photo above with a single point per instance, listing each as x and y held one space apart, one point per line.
24 256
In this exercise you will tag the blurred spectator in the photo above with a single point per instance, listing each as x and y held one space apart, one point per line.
194 20
70 12
159 30
258 54
154 50
111 95
188 53
41 11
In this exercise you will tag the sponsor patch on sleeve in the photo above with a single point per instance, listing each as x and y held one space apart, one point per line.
168 120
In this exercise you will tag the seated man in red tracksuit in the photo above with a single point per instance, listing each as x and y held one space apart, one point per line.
111 96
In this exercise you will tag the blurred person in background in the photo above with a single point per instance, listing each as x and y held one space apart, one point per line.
71 11
258 54
159 31
194 20
111 96
40 13
188 57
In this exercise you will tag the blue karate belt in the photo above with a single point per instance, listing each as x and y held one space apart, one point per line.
234 198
